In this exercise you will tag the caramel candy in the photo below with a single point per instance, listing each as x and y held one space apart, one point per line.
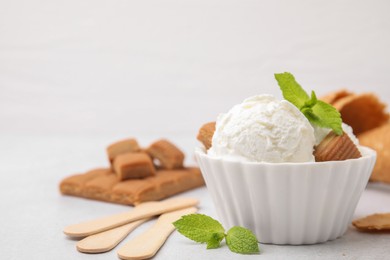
121 147
104 185
75 183
205 134
133 166
169 156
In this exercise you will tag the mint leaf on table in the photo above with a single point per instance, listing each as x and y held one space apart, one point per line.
241 240
200 228
316 111
204 229
215 240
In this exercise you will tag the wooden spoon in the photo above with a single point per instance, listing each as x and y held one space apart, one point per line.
107 240
143 210
147 244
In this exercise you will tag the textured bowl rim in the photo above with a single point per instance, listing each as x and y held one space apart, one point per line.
367 154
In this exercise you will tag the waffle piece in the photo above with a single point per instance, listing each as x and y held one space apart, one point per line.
133 166
121 147
379 140
106 187
331 98
375 222
168 155
336 148
362 112
205 134
369 120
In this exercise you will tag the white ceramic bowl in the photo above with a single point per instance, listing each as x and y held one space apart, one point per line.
287 203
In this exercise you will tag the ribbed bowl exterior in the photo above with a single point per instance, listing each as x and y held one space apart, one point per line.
287 203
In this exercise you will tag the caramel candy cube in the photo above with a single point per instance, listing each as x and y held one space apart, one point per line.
133 166
75 185
169 156
121 147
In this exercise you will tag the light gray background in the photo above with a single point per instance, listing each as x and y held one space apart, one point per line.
77 75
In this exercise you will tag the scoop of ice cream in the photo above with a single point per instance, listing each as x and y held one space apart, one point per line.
263 129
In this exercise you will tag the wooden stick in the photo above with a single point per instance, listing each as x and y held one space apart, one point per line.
144 210
147 244
107 240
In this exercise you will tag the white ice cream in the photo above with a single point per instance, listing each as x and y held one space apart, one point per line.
320 133
264 129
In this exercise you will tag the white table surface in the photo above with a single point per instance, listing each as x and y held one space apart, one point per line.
34 212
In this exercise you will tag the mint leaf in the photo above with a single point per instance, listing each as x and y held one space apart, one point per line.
204 229
312 101
327 116
241 240
291 90
316 111
215 240
200 228
308 112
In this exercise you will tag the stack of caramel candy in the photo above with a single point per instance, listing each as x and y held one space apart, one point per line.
135 174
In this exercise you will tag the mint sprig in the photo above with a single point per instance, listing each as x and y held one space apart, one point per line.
316 111
200 228
204 229
240 240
